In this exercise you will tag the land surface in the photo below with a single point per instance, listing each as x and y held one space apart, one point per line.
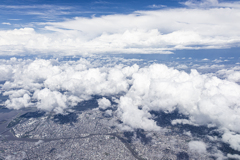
91 134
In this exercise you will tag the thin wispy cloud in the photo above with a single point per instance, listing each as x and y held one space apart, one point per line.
210 3
43 6
156 6
41 12
201 3
101 2
6 23
14 19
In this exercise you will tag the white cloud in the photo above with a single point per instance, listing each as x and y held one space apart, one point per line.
50 100
197 146
157 31
16 93
210 3
211 67
108 112
232 74
182 66
59 85
205 98
201 3
133 117
182 121
232 139
104 103
6 23
20 102
233 156
217 61
45 78
157 6
6 72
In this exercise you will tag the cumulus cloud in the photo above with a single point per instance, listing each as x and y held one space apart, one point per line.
134 117
232 74
158 87
104 103
182 66
183 121
233 156
58 85
197 146
108 113
54 85
232 139
5 72
18 103
154 31
49 100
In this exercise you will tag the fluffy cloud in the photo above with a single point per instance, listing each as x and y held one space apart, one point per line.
232 139
207 99
197 146
54 85
232 74
58 85
157 31
5 72
49 100
20 102
104 103
233 156
132 116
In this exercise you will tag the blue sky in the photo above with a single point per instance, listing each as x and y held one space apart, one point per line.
28 11
117 27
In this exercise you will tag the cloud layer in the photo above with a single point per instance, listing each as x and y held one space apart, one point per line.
54 85
216 25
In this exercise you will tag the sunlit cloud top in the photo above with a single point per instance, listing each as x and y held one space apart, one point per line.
62 30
